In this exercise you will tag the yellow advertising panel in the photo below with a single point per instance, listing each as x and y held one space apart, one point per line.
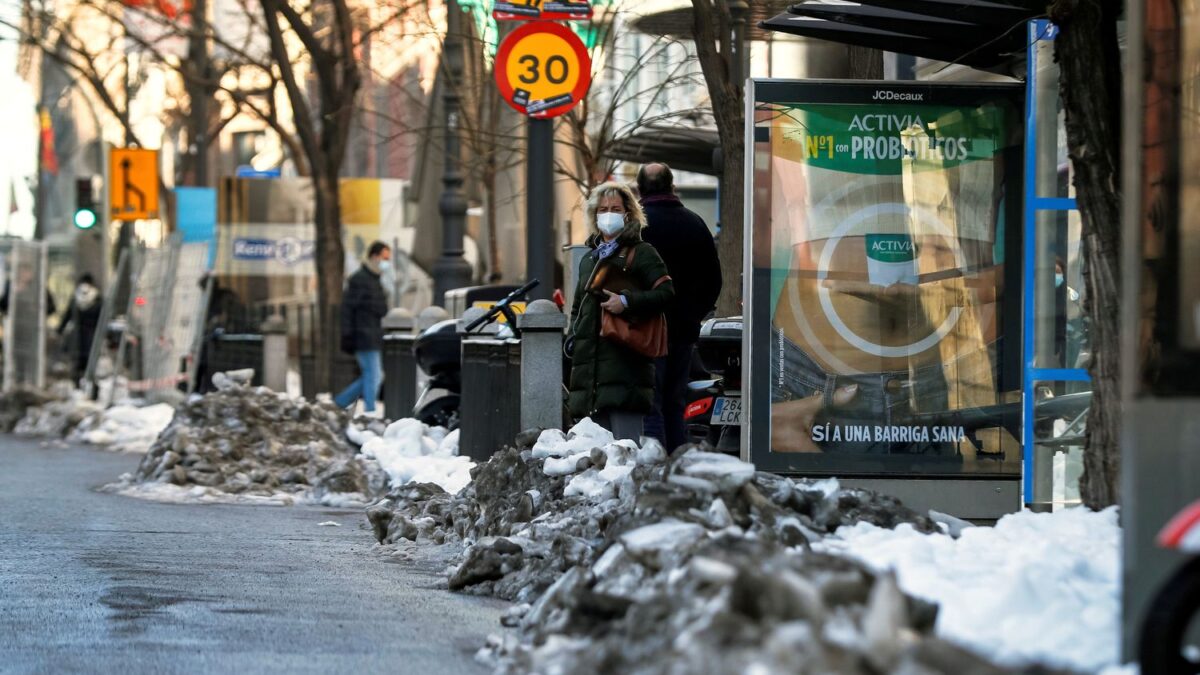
133 184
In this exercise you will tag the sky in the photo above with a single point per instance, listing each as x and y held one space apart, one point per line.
18 135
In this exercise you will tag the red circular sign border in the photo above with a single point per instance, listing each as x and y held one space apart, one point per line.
500 70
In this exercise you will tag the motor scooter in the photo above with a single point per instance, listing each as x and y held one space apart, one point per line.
1168 638
714 405
438 350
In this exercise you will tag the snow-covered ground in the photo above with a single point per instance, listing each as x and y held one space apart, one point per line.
198 494
1035 587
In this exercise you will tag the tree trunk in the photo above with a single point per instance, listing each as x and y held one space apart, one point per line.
330 257
1087 54
712 29
730 244
864 63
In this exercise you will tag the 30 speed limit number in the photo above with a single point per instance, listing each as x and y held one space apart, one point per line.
543 69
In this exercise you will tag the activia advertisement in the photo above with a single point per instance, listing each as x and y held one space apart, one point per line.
883 240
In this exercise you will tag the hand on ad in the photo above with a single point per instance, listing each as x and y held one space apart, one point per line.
792 421
864 290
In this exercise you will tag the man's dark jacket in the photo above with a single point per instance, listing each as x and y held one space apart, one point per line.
363 306
687 247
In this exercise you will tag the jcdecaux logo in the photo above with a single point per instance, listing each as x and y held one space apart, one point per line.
288 250
885 95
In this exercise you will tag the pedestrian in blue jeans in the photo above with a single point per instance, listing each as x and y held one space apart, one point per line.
363 306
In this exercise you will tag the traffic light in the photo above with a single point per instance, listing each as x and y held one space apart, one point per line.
85 203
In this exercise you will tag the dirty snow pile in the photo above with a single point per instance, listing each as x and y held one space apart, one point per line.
58 417
63 412
1042 587
124 428
18 401
413 452
252 444
622 559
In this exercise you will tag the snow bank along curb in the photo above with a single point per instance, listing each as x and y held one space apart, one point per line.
255 446
65 413
1036 587
624 560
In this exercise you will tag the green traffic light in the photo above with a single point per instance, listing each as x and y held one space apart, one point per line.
85 219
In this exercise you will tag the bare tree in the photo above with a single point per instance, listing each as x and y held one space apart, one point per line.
1088 55
326 34
622 103
713 32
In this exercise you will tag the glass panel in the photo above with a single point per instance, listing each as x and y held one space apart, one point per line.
879 255
1061 335
1054 177
1060 424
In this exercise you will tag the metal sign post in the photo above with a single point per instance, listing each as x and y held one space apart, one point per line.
542 70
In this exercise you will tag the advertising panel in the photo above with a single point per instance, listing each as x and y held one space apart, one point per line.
883 320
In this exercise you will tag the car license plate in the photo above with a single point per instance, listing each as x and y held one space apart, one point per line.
727 411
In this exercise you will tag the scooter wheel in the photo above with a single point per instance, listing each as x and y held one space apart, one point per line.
441 412
1169 621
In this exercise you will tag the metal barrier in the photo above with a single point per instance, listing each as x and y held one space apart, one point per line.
25 316
236 351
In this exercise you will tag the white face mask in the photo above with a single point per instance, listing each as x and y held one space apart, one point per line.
610 223
385 265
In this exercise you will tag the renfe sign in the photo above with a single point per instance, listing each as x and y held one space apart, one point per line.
882 300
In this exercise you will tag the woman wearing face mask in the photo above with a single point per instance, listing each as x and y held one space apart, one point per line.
624 275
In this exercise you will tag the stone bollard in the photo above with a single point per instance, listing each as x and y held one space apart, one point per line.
541 365
429 316
399 363
274 354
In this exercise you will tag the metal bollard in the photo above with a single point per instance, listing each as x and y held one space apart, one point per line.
541 365
274 354
479 388
399 364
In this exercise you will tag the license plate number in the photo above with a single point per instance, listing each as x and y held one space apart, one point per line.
727 411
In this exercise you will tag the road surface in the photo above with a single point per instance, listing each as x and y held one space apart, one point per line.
93 582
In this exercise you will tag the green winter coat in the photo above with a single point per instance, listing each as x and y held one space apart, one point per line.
606 375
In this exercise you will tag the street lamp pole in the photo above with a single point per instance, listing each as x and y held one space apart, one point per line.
739 59
451 270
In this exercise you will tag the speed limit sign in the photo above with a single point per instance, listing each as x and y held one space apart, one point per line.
543 69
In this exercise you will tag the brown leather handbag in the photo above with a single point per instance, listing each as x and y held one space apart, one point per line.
647 336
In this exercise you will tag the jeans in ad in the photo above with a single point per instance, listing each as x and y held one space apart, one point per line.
882 398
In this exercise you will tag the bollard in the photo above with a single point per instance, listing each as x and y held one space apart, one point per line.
274 354
399 363
541 365
489 406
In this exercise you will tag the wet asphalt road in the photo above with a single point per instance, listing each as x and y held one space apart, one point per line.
92 582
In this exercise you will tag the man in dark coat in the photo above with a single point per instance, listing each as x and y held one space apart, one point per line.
363 306
686 246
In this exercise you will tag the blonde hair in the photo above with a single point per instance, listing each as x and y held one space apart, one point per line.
635 218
